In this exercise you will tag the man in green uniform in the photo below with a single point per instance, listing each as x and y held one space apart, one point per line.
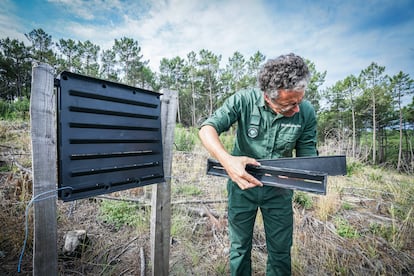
272 121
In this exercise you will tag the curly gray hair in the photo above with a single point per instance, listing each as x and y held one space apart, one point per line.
284 72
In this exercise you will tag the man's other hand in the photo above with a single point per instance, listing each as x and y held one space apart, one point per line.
235 167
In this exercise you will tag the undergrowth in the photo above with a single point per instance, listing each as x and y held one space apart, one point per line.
363 226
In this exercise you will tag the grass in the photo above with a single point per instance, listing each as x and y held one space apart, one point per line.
122 213
303 199
327 206
187 190
178 223
345 229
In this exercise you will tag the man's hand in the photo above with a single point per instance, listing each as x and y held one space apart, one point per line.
235 167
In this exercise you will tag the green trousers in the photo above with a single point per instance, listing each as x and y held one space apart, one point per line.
276 207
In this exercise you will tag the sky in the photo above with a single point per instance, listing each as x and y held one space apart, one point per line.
340 37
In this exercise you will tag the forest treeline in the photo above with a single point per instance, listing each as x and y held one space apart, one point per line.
364 113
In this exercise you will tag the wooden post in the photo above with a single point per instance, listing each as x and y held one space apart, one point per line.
161 192
44 168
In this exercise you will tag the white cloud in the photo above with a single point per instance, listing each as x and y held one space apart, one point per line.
338 36
79 8
178 28
10 23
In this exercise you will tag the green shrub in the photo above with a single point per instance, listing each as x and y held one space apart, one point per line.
353 167
303 199
188 190
4 109
5 168
375 177
15 110
347 206
220 267
185 138
386 232
120 213
345 229
179 224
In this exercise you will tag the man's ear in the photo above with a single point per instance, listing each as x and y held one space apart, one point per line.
267 99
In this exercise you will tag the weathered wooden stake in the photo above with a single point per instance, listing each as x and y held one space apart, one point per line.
44 168
161 192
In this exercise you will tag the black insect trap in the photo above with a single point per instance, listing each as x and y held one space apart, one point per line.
109 137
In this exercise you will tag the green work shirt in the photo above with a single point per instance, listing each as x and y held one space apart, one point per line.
263 134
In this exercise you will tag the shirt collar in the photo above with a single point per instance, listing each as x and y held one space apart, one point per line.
260 103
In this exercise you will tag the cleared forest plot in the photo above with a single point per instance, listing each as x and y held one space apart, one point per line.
363 226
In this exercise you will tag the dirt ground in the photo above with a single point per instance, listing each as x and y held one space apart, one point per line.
110 250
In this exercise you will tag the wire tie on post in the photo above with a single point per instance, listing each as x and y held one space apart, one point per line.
26 223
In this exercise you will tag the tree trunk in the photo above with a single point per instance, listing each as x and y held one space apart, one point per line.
193 108
401 137
374 130
353 132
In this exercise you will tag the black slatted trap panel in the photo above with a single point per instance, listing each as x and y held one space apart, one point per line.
109 137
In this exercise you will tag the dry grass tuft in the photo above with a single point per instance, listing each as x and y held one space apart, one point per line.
327 205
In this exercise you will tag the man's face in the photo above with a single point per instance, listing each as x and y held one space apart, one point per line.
287 103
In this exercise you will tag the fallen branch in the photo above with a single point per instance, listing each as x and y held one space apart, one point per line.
146 204
123 250
352 189
7 147
213 218
21 167
112 260
132 200
125 272
142 256
202 212
199 201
